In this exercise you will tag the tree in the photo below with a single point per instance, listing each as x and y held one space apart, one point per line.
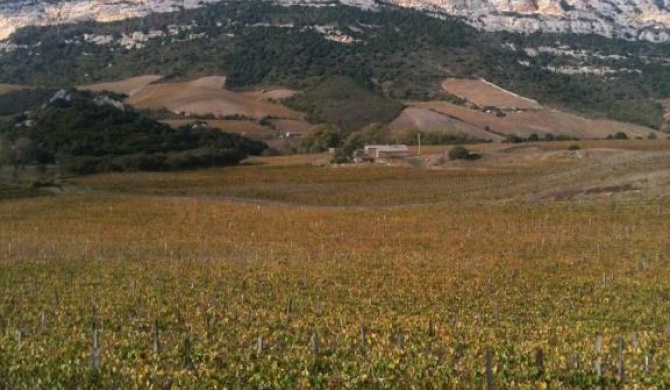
459 152
618 135
22 149
323 138
5 150
354 141
374 133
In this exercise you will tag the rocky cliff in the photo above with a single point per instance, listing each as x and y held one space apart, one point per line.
629 19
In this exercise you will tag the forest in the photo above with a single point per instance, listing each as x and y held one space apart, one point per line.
86 133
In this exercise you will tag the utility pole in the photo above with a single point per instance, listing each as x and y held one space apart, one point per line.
418 136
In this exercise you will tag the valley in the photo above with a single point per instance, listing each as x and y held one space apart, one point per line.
186 199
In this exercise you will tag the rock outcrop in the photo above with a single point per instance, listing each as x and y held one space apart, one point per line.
629 19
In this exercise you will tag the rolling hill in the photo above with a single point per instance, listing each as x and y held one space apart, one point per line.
127 87
484 93
255 113
485 110
206 96
434 123
540 122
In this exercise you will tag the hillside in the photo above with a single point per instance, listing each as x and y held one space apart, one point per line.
406 54
252 113
540 122
127 87
16 100
88 133
343 102
206 96
483 94
628 19
484 111
433 125
488 112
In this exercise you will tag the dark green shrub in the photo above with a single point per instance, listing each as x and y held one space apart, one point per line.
618 135
459 152
513 139
341 156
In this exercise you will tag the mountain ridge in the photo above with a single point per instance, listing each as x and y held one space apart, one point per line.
647 20
397 53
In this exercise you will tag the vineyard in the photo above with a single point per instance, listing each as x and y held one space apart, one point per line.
286 274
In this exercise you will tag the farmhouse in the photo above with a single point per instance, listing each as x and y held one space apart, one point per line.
386 151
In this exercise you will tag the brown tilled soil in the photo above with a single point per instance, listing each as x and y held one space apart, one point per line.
127 87
540 122
429 121
206 96
666 104
7 88
483 93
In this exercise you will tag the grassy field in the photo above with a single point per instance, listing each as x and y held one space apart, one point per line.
288 273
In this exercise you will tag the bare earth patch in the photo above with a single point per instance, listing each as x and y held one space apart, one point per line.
483 93
207 96
666 105
539 122
127 87
7 88
430 121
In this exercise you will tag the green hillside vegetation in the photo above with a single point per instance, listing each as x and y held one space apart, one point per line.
405 53
85 136
17 102
341 101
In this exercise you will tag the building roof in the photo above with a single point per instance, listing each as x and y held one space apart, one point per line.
388 148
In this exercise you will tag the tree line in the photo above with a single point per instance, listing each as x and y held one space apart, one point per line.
85 135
